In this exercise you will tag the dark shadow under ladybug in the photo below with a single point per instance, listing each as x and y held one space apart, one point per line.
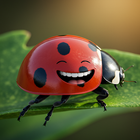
112 73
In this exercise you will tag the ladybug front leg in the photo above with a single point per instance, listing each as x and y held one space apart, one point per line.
103 93
64 99
37 100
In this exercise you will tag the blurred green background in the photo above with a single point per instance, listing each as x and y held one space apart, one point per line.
111 24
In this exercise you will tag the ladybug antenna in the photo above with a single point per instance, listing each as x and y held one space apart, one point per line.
130 81
129 68
126 70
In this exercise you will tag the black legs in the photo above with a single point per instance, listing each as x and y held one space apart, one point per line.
64 99
40 98
24 111
103 93
37 100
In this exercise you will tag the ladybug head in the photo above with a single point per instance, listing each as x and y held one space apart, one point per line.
122 75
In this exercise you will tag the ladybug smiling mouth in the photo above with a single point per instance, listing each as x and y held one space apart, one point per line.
76 78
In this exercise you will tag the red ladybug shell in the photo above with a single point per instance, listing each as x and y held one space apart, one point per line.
46 68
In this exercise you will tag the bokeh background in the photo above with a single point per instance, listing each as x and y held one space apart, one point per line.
112 24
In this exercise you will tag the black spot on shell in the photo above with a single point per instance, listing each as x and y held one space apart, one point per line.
80 85
92 46
40 77
83 69
63 48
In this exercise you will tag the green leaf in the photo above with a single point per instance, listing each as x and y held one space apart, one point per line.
60 125
13 49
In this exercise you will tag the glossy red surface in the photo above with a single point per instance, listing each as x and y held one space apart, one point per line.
45 55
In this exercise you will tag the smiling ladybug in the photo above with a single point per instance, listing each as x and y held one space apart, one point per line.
67 65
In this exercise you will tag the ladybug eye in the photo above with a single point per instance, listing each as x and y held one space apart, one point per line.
85 61
61 61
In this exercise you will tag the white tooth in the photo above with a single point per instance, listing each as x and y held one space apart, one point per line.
80 74
74 74
69 74
63 73
85 73
89 72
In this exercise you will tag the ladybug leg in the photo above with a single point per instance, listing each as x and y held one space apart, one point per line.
116 87
64 99
37 100
103 93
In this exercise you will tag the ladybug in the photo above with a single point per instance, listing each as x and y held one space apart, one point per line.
67 65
